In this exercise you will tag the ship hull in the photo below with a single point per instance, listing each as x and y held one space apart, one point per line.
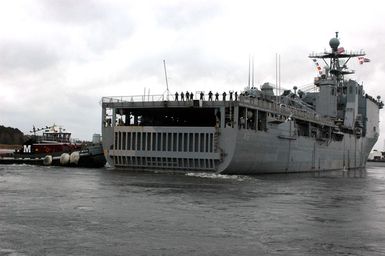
233 150
249 135
262 152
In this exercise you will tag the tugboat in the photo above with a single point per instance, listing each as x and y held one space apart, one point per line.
54 147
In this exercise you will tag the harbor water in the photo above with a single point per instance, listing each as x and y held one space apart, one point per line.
74 211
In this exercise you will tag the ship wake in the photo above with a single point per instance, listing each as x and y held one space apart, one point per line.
217 176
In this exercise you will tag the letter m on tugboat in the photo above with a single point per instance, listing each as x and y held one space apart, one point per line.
26 148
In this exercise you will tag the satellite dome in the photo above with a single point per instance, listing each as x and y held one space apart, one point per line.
267 89
334 43
267 86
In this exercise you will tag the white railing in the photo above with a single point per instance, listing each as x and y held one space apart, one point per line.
136 98
285 109
198 95
272 106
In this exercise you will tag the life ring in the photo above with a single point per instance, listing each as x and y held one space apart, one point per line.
46 150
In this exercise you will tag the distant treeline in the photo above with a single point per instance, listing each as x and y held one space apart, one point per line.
11 136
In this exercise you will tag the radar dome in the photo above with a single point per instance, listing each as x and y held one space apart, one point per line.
267 89
267 86
334 43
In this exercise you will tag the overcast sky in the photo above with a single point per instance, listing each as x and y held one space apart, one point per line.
59 57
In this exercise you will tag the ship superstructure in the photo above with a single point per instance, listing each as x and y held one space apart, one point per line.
254 132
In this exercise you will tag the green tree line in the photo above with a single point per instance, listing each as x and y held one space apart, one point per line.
11 136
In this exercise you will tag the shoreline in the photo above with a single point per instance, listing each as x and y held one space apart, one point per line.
9 146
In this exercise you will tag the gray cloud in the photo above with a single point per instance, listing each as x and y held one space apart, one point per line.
102 25
72 11
107 34
26 56
187 14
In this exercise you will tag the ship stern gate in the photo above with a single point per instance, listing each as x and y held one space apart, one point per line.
183 148
167 135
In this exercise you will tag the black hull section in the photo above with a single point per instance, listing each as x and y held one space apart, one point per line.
91 157
90 161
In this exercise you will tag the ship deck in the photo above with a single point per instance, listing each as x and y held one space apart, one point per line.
161 101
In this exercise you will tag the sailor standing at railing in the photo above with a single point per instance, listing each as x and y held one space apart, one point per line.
210 95
202 95
191 96
216 96
187 95
176 96
224 96
231 95
182 96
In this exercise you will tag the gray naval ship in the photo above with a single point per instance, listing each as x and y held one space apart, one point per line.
257 131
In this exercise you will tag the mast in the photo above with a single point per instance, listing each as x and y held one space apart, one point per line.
276 73
279 76
248 82
335 55
252 71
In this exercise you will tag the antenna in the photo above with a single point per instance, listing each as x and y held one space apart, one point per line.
144 94
276 74
248 83
252 71
279 75
165 74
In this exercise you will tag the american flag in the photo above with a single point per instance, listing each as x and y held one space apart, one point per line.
318 66
340 50
361 60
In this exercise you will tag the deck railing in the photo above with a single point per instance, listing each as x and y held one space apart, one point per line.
285 109
137 98
263 104
165 97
